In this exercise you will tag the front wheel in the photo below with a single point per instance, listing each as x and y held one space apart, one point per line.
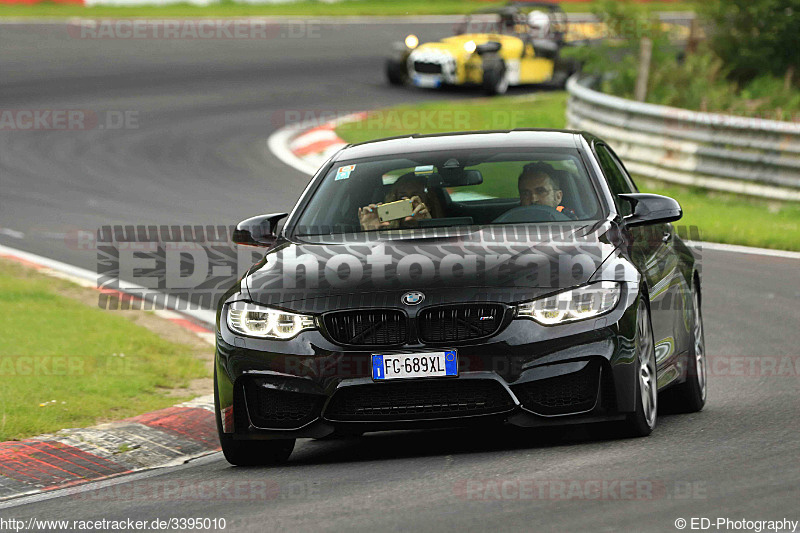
250 452
396 72
690 396
563 70
495 80
642 421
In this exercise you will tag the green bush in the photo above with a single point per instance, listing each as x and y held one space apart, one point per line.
709 78
755 37
697 82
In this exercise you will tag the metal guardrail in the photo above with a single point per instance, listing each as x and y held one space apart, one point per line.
742 155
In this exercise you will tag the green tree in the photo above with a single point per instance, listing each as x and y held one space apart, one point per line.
615 58
755 37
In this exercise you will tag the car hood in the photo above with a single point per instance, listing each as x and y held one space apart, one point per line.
455 45
499 263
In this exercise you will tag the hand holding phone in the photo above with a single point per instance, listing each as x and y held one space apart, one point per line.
395 210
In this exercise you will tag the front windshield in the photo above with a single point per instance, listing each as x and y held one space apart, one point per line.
451 188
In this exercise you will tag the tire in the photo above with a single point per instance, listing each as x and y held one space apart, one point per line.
690 396
564 69
494 76
643 420
250 452
396 72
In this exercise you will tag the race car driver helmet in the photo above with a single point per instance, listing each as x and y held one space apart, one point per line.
539 23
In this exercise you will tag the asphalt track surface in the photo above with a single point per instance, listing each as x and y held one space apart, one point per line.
205 109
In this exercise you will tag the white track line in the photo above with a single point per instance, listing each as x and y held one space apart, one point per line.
83 275
91 486
313 136
278 144
735 248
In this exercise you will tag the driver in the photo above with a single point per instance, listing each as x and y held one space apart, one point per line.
539 24
540 36
538 186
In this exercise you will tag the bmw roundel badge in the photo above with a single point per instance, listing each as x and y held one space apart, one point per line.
413 298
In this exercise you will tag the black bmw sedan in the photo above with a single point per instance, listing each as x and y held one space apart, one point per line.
506 277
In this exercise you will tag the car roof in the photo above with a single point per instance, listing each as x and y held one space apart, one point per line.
518 138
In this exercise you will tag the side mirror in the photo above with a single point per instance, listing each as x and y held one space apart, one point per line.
651 209
257 231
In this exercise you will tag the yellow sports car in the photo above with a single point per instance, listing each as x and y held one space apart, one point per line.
519 44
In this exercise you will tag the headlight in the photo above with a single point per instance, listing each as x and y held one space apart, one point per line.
412 41
257 321
470 46
576 304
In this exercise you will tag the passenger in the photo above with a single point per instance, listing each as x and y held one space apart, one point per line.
408 186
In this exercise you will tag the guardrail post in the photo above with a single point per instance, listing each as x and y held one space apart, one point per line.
645 56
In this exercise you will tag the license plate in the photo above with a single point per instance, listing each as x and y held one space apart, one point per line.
414 365
427 81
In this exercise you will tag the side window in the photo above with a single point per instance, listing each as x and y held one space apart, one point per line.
617 181
625 172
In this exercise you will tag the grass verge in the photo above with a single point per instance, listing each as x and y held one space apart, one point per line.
64 363
302 8
719 217
732 219
540 110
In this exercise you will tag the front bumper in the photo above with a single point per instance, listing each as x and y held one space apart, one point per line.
526 375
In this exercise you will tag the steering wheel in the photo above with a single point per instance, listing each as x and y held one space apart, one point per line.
531 213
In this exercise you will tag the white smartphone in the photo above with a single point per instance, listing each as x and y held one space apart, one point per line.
395 210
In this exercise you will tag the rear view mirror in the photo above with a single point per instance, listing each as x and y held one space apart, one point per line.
651 209
257 231
456 177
